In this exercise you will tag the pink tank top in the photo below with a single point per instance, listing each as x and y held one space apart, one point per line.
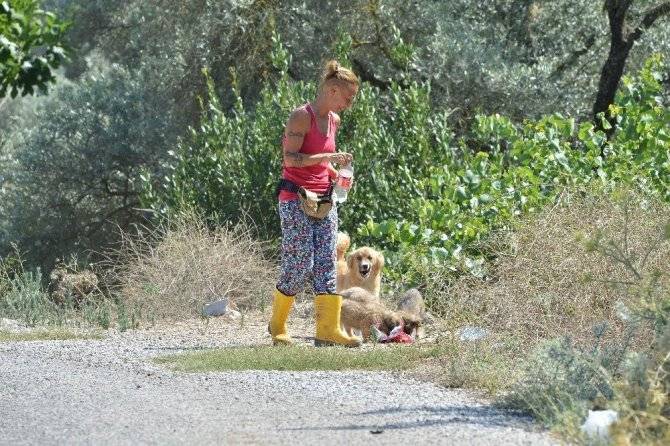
316 177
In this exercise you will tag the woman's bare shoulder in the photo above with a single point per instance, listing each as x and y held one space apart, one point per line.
299 116
336 118
299 123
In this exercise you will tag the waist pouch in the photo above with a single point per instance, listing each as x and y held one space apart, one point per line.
312 204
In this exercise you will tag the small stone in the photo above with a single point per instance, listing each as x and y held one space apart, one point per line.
217 308
233 315
472 333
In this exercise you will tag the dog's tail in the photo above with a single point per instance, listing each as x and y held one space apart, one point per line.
343 243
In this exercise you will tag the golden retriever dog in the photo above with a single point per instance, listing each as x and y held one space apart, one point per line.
362 316
360 310
363 267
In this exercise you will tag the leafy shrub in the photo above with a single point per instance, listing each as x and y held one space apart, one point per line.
24 297
561 378
519 170
31 47
26 300
70 177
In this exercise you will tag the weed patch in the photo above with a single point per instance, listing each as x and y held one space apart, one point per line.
299 358
53 334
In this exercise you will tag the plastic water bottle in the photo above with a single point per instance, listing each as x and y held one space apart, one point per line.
343 183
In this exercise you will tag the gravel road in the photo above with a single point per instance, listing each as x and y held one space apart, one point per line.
110 392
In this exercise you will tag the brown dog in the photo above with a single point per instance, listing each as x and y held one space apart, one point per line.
362 316
363 267
360 310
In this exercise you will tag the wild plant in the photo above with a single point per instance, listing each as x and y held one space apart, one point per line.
627 372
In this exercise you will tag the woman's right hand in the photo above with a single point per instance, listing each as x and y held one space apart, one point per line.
341 158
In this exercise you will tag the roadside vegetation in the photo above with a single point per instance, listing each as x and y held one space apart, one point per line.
54 334
300 358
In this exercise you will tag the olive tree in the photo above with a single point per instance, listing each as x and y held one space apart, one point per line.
70 178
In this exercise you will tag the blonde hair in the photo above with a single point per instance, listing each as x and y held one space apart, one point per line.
333 71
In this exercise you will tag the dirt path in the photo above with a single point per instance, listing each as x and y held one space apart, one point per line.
110 392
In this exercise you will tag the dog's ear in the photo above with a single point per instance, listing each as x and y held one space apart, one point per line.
378 264
351 258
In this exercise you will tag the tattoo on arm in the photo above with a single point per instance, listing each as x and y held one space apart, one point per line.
298 158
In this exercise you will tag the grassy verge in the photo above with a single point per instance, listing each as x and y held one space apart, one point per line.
490 365
53 334
299 358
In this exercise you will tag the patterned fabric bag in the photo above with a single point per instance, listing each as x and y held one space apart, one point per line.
314 205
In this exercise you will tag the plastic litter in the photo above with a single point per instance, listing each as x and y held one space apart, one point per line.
217 308
598 422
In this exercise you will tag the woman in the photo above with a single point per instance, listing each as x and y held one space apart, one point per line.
309 243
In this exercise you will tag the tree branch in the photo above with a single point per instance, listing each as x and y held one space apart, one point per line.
574 56
648 20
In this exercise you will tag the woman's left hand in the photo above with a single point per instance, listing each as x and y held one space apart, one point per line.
342 158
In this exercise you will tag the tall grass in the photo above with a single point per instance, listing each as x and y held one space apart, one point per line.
624 364
171 271
23 297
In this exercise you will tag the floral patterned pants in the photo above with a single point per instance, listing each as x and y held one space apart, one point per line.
308 245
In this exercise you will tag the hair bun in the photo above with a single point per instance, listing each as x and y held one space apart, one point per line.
333 70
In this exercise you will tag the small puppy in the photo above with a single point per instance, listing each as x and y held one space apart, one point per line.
361 316
411 303
360 310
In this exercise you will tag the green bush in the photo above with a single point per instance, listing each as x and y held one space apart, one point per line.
31 47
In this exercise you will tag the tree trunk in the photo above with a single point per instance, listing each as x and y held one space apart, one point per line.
620 46
610 76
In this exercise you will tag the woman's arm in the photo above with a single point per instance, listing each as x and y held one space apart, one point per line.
294 134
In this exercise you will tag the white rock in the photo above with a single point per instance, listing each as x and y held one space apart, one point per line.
233 314
598 422
472 333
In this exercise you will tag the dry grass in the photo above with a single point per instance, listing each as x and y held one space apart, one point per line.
170 272
549 284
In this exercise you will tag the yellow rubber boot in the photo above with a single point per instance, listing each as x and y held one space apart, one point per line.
328 332
281 305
